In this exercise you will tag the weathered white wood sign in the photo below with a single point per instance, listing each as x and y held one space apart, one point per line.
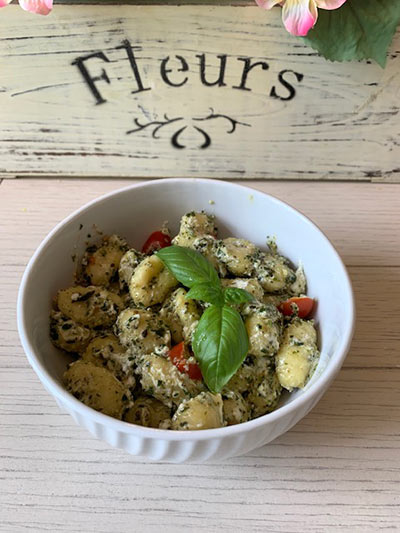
154 91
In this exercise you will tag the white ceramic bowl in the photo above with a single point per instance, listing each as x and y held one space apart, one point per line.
136 211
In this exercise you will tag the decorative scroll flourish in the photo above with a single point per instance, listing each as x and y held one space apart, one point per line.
233 122
176 136
157 123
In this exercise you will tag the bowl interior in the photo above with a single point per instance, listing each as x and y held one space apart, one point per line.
137 211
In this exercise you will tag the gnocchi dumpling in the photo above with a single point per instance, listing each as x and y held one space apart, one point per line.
147 412
141 331
297 354
243 380
266 390
68 334
207 246
161 379
237 255
151 282
96 387
204 411
91 306
128 264
299 286
194 225
263 323
101 266
106 351
172 320
257 383
273 272
181 315
236 409
251 285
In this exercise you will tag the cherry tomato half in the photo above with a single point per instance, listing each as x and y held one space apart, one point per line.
156 241
305 306
178 356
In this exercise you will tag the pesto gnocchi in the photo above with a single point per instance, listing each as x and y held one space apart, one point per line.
129 326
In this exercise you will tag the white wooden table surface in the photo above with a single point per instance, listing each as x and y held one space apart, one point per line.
338 470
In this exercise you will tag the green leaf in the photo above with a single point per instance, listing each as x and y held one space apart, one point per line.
234 296
220 344
360 29
207 292
188 266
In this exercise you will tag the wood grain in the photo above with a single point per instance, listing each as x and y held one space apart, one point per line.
336 471
342 124
360 219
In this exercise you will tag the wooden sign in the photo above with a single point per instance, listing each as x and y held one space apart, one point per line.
153 91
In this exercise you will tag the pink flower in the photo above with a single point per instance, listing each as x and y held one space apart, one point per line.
299 16
42 7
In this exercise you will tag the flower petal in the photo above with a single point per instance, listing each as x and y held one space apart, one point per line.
4 3
299 16
330 4
41 7
266 4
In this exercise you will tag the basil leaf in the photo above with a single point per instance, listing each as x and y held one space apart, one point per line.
234 296
360 29
206 292
220 344
188 266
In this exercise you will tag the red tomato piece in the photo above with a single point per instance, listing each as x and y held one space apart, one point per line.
178 356
156 241
304 304
194 372
177 353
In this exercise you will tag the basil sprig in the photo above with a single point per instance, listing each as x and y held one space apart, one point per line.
220 342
